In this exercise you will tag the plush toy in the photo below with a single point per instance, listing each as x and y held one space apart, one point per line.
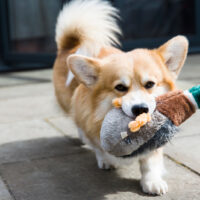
139 121
124 137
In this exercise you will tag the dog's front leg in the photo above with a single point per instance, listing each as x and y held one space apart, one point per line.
101 156
152 169
103 160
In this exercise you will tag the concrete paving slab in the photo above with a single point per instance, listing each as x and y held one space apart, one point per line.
7 81
193 60
191 126
186 150
66 125
33 139
44 89
191 69
184 85
4 193
27 108
43 74
77 177
45 160
27 77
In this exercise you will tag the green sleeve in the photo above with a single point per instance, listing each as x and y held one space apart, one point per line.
195 91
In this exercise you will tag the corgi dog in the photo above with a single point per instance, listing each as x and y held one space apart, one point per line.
89 72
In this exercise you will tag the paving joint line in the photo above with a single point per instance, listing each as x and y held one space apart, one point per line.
8 188
187 79
24 84
28 78
23 120
23 96
186 136
54 126
56 117
182 164
59 130
169 157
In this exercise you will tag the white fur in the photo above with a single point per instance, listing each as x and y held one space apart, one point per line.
70 77
93 20
103 107
147 78
152 169
107 161
151 166
83 138
159 90
126 81
191 98
137 97
104 159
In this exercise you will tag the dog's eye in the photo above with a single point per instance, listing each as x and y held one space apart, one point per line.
121 88
149 84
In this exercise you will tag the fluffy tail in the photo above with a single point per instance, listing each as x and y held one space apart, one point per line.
89 24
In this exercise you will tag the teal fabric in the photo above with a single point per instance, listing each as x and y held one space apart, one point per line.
195 88
195 91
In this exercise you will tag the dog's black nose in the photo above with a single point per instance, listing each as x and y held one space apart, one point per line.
139 109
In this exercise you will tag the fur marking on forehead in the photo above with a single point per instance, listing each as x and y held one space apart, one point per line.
126 81
146 78
119 59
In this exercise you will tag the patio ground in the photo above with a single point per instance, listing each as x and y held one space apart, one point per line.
41 157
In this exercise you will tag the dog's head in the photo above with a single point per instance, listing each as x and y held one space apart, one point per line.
137 76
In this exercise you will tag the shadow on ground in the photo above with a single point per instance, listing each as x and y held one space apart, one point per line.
55 168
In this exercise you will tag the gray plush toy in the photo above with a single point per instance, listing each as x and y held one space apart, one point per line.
172 109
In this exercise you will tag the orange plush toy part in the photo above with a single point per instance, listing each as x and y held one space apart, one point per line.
117 102
140 120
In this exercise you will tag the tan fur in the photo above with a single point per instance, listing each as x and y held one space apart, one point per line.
83 101
88 97
84 104
62 92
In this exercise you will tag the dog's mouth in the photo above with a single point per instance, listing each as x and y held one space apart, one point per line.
134 109
138 102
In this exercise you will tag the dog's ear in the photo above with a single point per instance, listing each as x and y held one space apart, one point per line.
85 69
174 53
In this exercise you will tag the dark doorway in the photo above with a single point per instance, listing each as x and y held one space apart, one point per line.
27 28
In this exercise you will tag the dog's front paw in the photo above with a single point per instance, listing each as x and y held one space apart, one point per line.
156 187
102 162
103 165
